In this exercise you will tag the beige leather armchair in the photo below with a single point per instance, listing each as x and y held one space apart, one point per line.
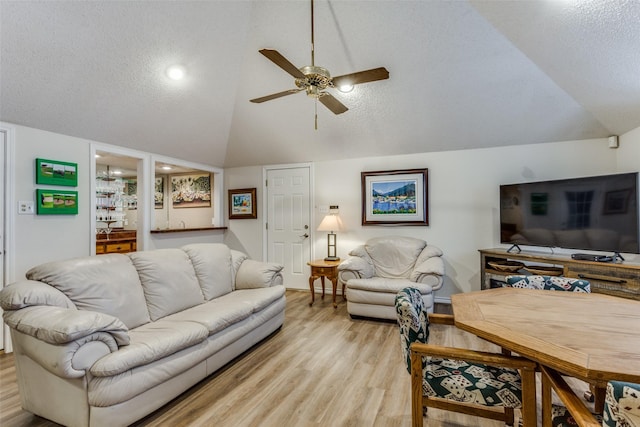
376 271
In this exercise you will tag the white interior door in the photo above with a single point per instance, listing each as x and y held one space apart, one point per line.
288 221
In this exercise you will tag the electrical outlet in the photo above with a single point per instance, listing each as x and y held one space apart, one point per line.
26 207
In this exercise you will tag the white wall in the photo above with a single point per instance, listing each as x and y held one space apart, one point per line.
629 151
245 235
44 238
463 197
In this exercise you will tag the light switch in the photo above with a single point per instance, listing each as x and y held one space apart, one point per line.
26 207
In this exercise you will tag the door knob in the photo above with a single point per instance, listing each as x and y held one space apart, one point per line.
305 235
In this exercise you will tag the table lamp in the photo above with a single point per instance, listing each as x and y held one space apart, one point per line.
331 223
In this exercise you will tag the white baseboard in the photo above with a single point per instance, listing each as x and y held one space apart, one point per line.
442 300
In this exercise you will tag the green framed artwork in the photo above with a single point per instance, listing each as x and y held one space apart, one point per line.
53 172
56 202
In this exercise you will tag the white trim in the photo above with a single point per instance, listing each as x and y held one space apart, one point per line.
9 217
442 300
265 205
143 226
218 185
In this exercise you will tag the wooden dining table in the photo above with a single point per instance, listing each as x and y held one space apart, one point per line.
592 337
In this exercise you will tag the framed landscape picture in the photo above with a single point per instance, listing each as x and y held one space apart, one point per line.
395 197
53 172
56 202
242 204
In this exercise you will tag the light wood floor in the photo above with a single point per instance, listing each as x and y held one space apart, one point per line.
321 369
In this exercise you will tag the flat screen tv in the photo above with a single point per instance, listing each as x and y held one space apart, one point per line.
598 213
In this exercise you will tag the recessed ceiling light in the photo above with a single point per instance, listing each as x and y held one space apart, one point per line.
345 88
117 172
98 156
167 168
176 72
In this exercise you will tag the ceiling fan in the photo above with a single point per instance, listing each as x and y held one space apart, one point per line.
315 80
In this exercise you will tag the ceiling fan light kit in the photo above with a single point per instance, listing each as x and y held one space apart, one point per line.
316 80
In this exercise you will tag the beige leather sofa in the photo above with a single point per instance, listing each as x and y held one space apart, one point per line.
106 340
376 271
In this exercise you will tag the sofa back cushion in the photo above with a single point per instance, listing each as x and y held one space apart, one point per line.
168 280
394 256
107 284
212 264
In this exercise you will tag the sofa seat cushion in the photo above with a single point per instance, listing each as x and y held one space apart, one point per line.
255 299
108 284
394 257
111 390
169 281
149 343
384 285
213 315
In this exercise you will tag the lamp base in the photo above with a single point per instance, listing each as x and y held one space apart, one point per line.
332 258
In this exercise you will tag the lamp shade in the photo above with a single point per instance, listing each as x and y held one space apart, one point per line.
330 223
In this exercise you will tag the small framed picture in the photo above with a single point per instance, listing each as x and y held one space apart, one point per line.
242 204
397 197
53 172
56 202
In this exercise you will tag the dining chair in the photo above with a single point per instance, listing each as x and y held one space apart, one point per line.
572 412
622 404
548 283
477 383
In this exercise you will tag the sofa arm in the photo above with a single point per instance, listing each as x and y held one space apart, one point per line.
57 325
256 274
355 268
28 293
430 272
69 360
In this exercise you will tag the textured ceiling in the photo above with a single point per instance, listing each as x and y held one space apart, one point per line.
462 75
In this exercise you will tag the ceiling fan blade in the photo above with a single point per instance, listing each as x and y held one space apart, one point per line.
361 77
332 103
282 62
275 96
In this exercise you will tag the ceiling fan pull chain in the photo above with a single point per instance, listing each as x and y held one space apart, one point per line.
315 104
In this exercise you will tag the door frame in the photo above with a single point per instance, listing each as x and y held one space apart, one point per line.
143 209
8 224
265 205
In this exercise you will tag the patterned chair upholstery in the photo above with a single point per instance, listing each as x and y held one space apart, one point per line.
549 283
622 404
476 383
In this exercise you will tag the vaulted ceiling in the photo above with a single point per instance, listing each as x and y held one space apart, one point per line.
463 74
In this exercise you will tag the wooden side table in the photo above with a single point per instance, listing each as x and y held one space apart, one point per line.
319 270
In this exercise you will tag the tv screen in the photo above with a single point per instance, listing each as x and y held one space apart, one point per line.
597 213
